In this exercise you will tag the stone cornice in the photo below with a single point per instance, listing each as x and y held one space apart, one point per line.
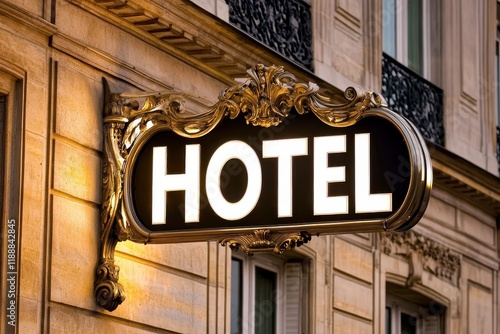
197 37
465 180
28 19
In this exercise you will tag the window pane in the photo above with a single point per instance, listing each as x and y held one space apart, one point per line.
388 327
389 27
408 324
415 36
265 301
236 296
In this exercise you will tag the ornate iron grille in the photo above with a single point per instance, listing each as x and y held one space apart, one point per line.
498 147
283 25
413 97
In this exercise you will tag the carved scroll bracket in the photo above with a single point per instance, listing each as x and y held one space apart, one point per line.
265 99
416 268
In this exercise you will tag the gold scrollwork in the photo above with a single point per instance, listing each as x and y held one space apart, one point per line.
269 94
266 241
108 292
265 98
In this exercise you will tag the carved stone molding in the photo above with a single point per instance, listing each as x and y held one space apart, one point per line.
423 253
214 47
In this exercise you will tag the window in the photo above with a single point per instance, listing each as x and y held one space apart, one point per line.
411 71
3 110
408 312
11 134
497 78
269 294
406 28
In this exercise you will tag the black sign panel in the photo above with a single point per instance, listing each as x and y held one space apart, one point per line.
388 161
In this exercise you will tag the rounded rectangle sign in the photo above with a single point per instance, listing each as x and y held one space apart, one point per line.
267 166
301 175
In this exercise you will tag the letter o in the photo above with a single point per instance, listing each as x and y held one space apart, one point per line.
234 149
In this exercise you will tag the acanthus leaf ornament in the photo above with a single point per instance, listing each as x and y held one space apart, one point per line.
434 257
270 93
266 241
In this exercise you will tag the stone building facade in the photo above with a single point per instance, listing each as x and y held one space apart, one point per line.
442 276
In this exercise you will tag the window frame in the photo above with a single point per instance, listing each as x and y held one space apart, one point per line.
294 305
401 35
398 306
431 314
249 264
13 88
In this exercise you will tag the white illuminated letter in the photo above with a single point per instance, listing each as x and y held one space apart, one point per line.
233 150
284 150
163 182
366 202
324 204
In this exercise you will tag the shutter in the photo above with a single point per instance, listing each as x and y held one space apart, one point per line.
293 298
431 324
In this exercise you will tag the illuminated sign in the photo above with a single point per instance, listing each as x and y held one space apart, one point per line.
241 176
302 175
270 164
272 155
248 162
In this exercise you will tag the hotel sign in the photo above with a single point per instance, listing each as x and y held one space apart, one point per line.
270 164
307 176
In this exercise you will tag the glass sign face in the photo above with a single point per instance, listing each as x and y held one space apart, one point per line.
300 173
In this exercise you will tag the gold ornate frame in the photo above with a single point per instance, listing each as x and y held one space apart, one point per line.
266 99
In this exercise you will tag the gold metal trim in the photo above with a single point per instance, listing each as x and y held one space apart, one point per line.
265 99
265 241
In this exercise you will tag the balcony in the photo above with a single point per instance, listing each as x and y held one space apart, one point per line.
282 25
415 98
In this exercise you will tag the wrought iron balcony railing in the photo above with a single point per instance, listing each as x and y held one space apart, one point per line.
413 97
282 25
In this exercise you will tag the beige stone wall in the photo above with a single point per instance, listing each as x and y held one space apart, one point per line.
180 288
339 42
25 71
58 56
468 79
